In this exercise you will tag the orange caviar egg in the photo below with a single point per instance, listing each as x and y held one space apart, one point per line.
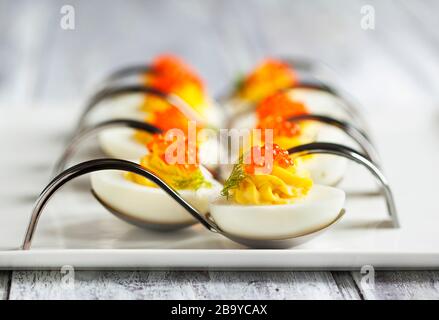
280 104
257 158
267 78
169 118
280 126
170 74
159 145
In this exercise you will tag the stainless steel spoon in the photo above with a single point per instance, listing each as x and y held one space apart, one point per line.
114 164
86 133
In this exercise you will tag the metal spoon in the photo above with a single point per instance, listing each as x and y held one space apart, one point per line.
91 131
114 164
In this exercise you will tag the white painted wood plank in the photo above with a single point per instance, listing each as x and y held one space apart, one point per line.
224 285
405 285
274 285
176 285
5 277
346 285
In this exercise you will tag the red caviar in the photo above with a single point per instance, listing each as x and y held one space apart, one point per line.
159 145
280 126
170 74
280 104
280 157
274 111
169 118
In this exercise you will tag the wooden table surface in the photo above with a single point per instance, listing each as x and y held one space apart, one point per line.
42 64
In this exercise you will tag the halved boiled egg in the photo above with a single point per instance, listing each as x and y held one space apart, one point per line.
273 112
126 143
273 76
138 198
267 78
319 208
169 75
280 204
150 204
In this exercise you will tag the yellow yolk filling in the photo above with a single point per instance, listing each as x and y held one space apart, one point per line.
176 176
256 92
267 78
189 93
153 103
308 133
282 186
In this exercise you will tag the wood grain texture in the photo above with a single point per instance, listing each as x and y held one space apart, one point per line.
5 278
224 285
405 285
178 285
42 64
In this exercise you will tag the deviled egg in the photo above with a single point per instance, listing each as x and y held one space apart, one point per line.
138 198
267 78
273 112
275 202
272 76
127 143
169 75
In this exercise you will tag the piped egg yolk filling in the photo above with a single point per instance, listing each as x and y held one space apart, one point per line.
172 75
182 176
284 184
267 78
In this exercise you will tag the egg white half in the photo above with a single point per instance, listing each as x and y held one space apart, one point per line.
120 143
320 102
149 204
123 107
318 209
327 169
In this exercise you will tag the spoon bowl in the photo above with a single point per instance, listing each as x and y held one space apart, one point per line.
142 223
281 243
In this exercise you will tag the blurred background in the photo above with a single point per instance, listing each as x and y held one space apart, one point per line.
394 65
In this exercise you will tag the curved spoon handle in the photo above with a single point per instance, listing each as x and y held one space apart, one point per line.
348 107
351 154
99 165
88 132
128 71
314 66
355 133
111 92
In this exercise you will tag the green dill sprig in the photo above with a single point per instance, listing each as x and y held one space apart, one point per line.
237 175
196 182
239 83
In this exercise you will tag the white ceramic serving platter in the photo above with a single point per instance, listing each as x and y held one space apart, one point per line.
75 230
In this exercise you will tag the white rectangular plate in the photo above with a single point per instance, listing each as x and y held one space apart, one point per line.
75 230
